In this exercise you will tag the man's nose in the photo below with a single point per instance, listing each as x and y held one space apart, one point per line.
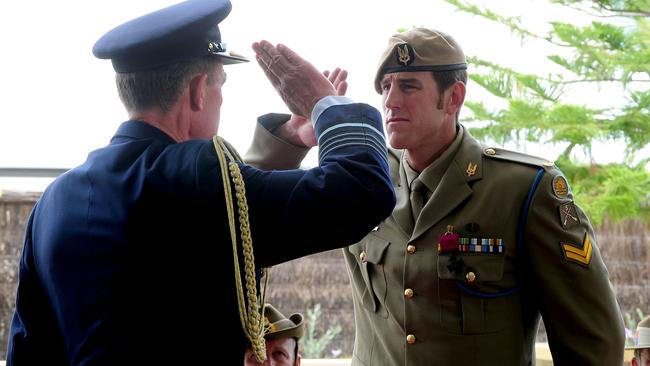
392 98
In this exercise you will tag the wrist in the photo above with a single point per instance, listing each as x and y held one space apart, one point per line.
288 133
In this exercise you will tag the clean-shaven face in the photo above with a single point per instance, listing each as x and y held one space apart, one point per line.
411 109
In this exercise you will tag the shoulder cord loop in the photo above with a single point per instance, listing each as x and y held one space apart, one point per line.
251 313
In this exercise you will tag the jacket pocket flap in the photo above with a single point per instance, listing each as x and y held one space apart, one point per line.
483 267
375 249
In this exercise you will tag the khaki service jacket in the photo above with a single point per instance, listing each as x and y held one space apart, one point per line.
526 251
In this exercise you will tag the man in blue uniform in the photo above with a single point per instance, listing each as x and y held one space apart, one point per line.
137 255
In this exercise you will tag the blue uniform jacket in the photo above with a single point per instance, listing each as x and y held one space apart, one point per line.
128 258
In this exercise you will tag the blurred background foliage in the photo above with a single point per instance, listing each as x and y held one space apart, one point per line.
612 51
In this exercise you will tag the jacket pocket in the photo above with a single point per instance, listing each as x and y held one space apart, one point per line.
367 272
472 300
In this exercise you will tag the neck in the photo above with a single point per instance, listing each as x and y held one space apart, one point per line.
173 123
421 157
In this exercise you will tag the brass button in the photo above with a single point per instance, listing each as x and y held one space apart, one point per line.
362 256
410 339
470 277
408 293
490 151
410 249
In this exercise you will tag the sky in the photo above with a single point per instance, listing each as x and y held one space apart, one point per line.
59 103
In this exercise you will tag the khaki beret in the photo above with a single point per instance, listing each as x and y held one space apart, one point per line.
642 336
278 326
420 49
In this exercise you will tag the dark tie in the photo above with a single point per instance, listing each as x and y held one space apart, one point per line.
418 197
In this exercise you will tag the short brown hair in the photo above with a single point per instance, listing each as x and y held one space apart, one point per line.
445 79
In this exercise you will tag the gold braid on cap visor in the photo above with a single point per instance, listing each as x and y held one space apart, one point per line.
250 312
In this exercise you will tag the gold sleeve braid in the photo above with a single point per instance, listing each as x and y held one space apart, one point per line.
251 313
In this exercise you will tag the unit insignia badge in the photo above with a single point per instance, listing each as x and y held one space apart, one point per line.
471 169
568 215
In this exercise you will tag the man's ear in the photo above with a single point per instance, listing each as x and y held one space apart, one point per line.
457 97
198 86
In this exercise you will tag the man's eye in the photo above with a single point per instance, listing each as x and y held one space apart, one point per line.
280 354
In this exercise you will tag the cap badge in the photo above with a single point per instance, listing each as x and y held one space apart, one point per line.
268 326
214 47
404 54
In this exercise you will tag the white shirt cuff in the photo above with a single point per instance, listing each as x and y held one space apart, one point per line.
328 101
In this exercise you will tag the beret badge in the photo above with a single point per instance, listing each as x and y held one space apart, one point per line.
404 54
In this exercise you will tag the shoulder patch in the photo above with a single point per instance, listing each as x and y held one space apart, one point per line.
517 157
560 186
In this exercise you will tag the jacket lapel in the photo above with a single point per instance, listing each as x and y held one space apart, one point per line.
454 187
402 212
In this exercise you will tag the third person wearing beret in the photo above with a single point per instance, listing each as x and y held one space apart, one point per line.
483 242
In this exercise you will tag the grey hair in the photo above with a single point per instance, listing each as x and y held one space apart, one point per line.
160 88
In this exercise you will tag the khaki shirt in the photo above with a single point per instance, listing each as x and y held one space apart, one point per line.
416 305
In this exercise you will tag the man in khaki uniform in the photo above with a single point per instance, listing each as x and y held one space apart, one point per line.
282 335
482 241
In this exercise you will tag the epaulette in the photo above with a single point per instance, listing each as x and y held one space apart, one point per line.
517 157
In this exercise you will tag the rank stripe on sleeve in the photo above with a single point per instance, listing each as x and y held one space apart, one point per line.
582 255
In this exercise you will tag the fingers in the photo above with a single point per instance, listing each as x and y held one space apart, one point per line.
270 75
338 78
342 88
297 81
263 56
332 77
342 76
270 59
289 55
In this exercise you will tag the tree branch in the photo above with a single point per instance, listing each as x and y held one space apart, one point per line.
627 12
598 80
590 13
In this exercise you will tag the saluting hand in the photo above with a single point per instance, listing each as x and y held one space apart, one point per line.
297 81
299 130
